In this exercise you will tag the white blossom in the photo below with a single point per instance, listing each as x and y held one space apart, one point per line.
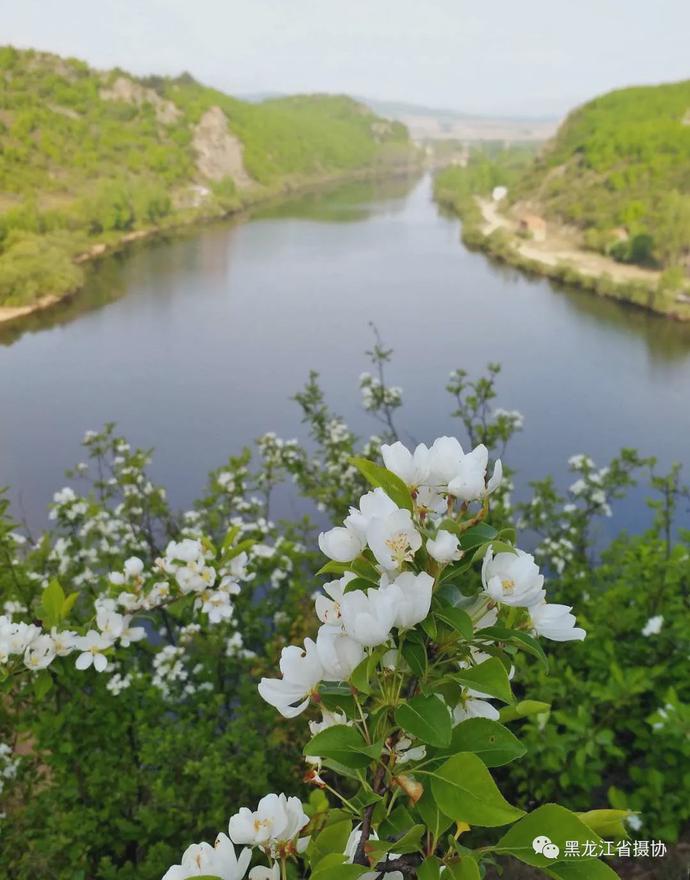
555 622
512 578
302 671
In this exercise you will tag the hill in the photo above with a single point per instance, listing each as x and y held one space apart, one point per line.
619 170
89 159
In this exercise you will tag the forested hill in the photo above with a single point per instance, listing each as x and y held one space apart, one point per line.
87 157
621 163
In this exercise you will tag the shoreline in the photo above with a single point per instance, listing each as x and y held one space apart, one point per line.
257 198
559 259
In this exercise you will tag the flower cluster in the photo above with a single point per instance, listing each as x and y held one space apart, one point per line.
273 828
358 614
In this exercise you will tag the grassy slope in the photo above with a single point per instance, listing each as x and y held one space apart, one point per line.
77 169
622 160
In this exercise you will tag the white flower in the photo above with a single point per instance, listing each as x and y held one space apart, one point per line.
64 641
109 622
302 671
341 544
444 548
368 617
351 851
338 653
328 606
129 633
329 719
394 539
469 482
277 819
260 872
404 751
653 626
92 646
634 822
411 595
512 578
202 859
374 505
445 457
412 468
133 567
40 653
474 707
555 622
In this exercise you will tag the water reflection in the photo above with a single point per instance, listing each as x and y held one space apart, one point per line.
195 345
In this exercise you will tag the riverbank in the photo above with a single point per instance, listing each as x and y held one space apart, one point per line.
183 221
558 255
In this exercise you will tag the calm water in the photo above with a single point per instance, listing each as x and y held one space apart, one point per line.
195 346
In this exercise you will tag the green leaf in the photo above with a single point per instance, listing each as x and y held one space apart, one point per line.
345 745
456 619
466 869
361 675
68 604
332 839
397 824
606 823
391 484
489 677
430 869
410 842
465 791
415 657
523 709
332 567
493 742
52 603
337 697
366 570
331 871
477 535
42 683
582 869
521 640
426 718
357 584
230 536
433 818
554 822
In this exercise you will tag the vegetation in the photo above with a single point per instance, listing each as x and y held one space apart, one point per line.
88 157
111 771
622 161
456 189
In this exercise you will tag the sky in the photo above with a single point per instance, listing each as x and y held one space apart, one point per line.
493 57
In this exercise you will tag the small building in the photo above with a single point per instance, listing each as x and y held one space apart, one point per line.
499 193
534 226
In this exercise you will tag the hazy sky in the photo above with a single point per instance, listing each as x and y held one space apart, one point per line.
491 56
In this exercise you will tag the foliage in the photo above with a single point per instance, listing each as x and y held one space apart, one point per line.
103 154
116 768
621 160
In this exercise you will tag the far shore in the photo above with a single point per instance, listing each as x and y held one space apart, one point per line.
258 197
560 256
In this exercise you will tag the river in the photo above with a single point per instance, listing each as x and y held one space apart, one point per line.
195 345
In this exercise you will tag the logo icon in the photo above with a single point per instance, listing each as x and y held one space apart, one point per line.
544 847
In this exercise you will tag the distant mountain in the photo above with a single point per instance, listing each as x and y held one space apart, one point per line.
89 158
433 123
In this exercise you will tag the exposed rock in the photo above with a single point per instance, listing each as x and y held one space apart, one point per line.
125 89
219 152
